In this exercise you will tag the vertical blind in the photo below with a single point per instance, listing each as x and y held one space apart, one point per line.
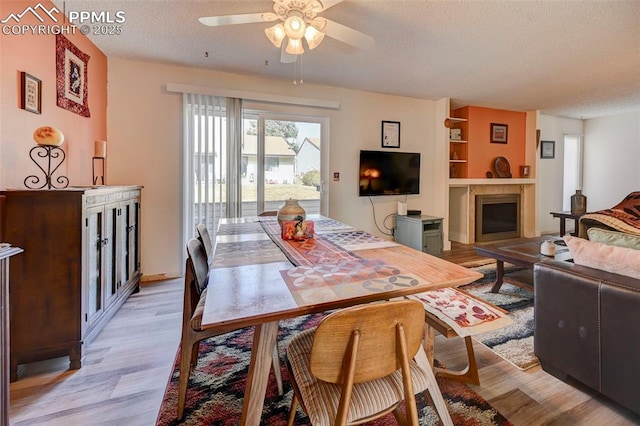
211 154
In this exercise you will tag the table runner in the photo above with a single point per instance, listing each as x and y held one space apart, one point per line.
308 252
325 269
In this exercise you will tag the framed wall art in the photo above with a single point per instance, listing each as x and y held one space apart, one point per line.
391 134
499 133
30 93
71 77
548 149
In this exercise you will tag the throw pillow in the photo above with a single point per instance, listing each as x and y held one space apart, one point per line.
619 260
614 238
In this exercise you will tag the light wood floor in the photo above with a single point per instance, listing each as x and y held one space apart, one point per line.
128 365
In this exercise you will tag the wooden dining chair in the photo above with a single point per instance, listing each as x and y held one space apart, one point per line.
205 239
196 286
358 365
269 213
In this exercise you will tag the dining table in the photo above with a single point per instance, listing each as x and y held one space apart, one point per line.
261 279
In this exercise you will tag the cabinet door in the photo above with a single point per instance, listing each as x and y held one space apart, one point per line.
131 217
129 241
109 254
94 292
433 243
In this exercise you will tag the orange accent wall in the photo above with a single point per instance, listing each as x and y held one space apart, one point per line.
36 55
481 153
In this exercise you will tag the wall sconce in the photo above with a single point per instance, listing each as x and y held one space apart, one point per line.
47 153
99 154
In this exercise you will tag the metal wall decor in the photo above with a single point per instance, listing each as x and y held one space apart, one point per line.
48 158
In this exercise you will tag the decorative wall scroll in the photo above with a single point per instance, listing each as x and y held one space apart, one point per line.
71 77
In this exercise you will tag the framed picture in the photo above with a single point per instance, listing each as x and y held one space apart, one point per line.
391 134
499 133
31 93
72 88
548 149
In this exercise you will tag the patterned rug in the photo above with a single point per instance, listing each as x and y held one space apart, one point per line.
514 343
216 388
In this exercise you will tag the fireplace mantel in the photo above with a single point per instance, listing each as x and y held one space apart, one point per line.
459 183
462 194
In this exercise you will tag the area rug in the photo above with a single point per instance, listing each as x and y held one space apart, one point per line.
216 388
513 343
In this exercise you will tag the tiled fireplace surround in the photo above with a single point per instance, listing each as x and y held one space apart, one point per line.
462 204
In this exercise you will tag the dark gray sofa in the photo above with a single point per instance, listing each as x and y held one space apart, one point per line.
587 327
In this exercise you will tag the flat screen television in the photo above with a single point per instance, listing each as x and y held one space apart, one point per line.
389 173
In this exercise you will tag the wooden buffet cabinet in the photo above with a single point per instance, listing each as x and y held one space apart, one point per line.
81 261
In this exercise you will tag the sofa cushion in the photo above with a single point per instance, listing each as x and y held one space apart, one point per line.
619 260
614 238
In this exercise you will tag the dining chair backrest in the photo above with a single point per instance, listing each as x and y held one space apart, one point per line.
205 239
197 261
269 213
368 341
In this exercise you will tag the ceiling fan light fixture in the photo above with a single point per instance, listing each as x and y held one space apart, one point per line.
294 47
313 37
294 26
275 34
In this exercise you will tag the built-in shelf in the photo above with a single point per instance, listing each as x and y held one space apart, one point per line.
456 119
458 154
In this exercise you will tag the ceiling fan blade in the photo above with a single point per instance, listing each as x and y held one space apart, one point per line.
326 4
285 57
347 35
248 18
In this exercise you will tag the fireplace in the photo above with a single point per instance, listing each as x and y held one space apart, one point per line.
497 217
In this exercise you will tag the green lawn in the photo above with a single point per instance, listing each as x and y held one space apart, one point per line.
273 192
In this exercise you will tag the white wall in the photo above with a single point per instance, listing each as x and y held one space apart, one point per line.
145 136
549 172
611 159
611 163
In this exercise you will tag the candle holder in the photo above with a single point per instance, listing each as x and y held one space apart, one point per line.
52 156
93 170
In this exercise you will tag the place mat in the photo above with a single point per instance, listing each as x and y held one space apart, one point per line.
239 228
237 253
331 225
312 251
465 314
357 240
346 279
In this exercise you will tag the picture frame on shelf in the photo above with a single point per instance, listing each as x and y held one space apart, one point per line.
390 134
31 93
499 133
547 149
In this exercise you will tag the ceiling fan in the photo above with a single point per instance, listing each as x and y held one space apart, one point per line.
297 20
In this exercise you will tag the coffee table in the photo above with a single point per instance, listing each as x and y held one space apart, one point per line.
523 252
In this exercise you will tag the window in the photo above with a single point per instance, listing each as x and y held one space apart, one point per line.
284 157
271 164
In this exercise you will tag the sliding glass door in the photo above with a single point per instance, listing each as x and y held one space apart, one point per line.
281 159
242 163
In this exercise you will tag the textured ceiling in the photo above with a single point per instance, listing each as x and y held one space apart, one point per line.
577 59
